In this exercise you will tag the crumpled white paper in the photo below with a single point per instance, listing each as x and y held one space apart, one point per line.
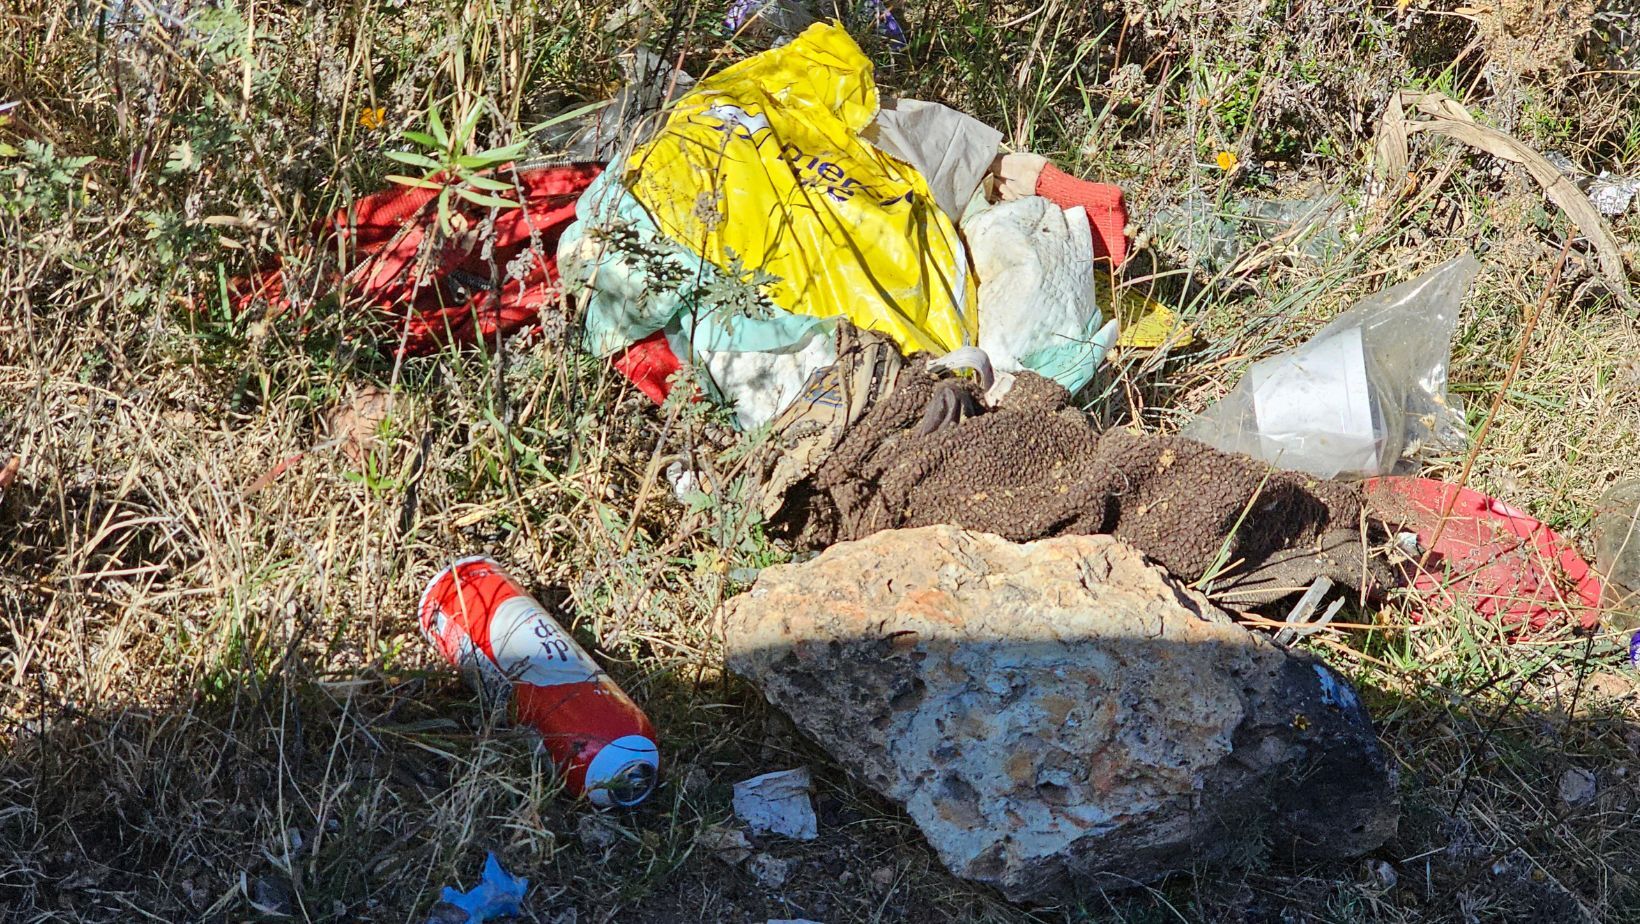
778 803
1612 195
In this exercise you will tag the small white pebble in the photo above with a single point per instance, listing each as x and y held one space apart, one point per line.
1577 787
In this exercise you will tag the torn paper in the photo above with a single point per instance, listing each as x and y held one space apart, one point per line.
778 803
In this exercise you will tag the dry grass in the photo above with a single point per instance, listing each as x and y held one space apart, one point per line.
213 699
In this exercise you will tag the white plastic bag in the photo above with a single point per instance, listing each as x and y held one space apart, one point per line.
1366 391
1037 308
758 383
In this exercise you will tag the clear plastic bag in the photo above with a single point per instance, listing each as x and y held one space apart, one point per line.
630 116
1218 234
1617 554
1366 391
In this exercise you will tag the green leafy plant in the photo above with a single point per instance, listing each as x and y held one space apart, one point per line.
374 476
453 172
38 179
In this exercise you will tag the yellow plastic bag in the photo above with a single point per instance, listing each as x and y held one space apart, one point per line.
762 168
1146 324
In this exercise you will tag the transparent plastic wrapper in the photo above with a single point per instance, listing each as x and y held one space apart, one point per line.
630 115
1364 393
776 21
1617 554
1218 234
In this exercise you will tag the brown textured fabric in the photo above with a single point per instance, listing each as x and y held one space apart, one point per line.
833 400
1036 467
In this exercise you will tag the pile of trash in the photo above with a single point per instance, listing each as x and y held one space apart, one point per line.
900 315
903 315
739 237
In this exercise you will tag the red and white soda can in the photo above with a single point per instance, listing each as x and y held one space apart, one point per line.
486 625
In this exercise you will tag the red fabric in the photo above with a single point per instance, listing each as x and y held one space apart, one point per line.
650 365
1492 557
1106 209
382 237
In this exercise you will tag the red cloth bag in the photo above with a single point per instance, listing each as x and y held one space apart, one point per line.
466 293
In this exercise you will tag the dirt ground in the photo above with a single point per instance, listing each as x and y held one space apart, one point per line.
215 705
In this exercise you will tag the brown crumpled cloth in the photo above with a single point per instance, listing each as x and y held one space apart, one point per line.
1036 467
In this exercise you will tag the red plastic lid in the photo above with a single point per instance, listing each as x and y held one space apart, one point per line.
1490 556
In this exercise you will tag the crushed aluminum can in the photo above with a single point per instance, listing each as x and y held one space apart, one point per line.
504 642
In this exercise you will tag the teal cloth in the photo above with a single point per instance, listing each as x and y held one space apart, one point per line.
650 283
1073 362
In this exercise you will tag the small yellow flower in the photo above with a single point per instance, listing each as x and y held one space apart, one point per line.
1203 101
1227 161
372 119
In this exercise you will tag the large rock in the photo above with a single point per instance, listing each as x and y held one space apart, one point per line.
1061 714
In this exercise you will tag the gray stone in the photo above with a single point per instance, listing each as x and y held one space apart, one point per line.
1061 715
1578 787
770 872
727 844
595 832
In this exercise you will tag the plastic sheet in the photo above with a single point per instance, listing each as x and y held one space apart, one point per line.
498 894
1218 234
1366 391
952 150
420 297
1490 556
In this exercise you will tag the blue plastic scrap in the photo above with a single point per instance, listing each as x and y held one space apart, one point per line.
887 26
498 893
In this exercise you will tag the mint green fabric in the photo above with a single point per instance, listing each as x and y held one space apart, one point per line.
1073 362
649 283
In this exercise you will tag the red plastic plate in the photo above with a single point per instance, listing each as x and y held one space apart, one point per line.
1490 556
